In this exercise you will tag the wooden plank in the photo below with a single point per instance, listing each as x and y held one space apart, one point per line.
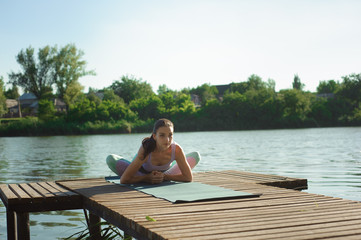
35 196
23 197
49 196
271 180
296 232
7 195
188 208
250 221
51 189
313 231
266 214
244 217
239 227
61 189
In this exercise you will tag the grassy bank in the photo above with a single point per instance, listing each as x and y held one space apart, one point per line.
34 127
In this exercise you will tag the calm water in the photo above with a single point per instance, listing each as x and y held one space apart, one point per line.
330 158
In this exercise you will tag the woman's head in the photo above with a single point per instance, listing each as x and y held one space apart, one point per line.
162 123
162 132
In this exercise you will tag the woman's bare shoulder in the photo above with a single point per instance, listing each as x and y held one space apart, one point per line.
178 149
140 155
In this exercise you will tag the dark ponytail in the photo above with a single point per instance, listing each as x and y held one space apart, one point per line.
149 143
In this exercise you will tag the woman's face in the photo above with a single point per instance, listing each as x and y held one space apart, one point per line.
163 137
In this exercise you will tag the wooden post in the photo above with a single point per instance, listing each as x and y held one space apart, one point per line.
94 226
23 226
11 225
19 108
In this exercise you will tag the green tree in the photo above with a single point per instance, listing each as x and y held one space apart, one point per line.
351 88
69 67
236 110
349 93
130 88
82 111
355 118
46 109
93 96
163 89
183 105
206 92
255 82
240 87
321 113
148 107
110 95
72 93
297 83
37 76
3 109
297 106
12 93
271 84
330 86
214 115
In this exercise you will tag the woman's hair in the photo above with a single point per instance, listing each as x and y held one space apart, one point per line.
149 143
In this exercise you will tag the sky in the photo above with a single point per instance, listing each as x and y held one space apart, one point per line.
186 43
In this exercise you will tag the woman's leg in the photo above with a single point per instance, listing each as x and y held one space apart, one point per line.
192 158
117 164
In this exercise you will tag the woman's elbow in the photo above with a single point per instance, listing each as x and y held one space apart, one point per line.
124 180
189 178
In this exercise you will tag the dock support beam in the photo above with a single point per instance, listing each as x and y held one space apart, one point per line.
11 225
94 226
23 226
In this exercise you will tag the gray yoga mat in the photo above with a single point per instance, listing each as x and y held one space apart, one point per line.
180 192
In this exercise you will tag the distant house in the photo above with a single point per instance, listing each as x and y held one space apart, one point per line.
59 105
325 95
12 106
29 105
221 90
196 100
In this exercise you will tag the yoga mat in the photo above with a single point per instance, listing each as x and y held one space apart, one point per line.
181 192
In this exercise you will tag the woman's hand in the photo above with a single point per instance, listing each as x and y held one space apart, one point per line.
155 177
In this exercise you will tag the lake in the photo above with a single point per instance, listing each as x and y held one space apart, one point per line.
330 158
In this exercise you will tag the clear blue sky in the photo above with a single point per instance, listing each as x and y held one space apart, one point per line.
185 43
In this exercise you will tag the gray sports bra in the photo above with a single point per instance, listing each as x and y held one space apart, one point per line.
148 167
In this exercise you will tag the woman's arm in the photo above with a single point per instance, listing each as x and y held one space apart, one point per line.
186 175
129 175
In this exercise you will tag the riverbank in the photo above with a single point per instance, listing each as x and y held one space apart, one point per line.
32 126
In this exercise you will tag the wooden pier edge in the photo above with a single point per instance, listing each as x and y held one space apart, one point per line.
21 199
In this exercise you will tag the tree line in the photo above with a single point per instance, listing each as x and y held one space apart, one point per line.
130 104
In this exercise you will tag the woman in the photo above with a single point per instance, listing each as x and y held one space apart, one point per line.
153 162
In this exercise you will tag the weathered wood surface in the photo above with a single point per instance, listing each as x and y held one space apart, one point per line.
277 214
37 197
21 199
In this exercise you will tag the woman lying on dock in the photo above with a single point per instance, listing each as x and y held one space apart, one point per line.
153 162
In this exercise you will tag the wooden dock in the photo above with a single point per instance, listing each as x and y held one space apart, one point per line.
279 213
